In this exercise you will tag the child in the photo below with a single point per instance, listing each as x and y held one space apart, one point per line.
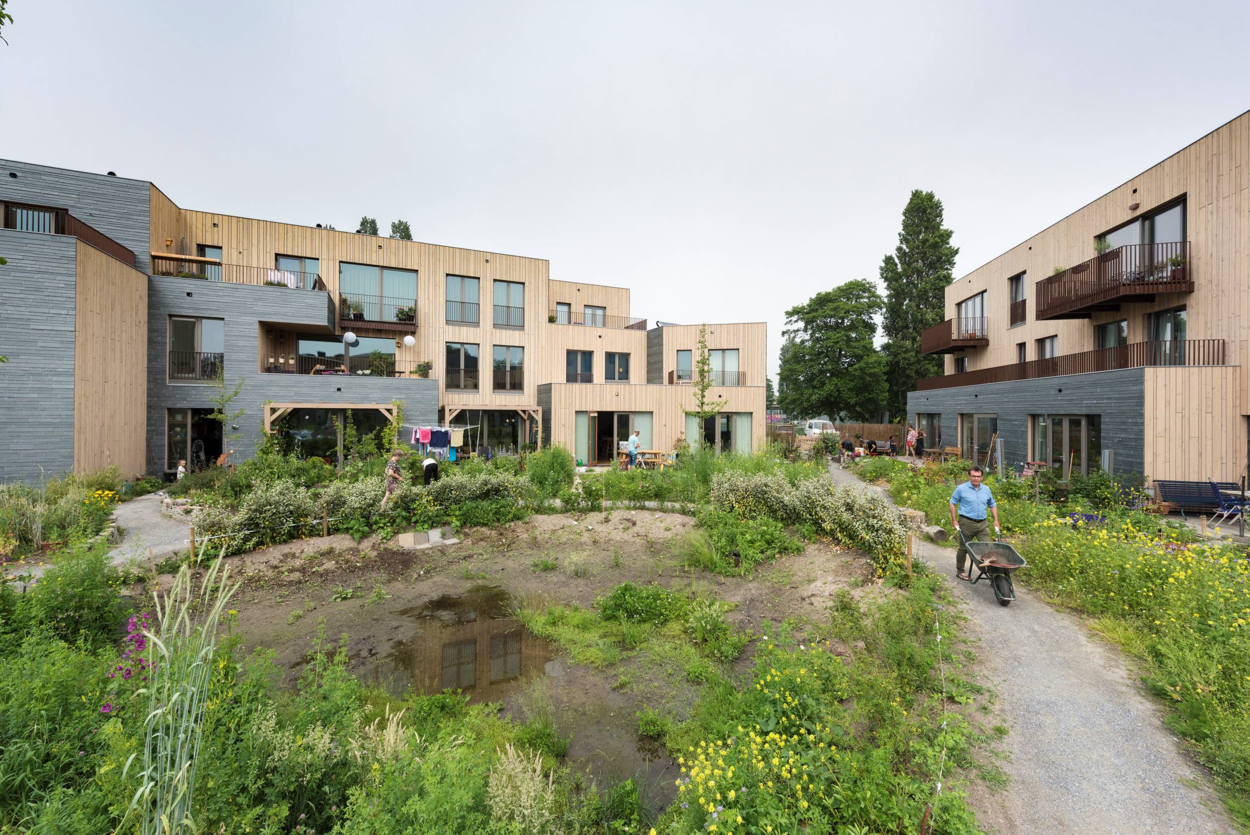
182 468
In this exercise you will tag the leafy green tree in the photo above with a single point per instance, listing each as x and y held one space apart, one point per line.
703 381
368 226
400 229
770 394
915 279
5 17
830 365
221 398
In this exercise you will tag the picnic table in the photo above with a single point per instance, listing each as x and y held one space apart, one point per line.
647 458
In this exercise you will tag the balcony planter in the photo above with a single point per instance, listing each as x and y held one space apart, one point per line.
406 314
551 317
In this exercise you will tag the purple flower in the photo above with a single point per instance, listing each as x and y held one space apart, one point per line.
107 708
126 675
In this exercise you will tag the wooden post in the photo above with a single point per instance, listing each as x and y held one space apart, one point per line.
325 521
193 544
1202 526
910 537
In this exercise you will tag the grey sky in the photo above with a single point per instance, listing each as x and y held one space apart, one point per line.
723 160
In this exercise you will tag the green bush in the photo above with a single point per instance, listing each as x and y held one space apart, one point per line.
509 464
862 519
738 545
550 471
140 487
457 488
629 603
757 495
486 513
78 599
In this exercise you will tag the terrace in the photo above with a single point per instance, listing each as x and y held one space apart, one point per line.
50 220
210 269
1135 273
594 319
955 335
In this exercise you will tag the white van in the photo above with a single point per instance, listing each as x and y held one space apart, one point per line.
820 427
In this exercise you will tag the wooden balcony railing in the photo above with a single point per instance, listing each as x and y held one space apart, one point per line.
596 320
195 366
381 312
210 269
463 313
955 334
1019 312
1127 274
1185 352
53 221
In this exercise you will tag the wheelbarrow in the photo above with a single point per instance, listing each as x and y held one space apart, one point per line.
994 561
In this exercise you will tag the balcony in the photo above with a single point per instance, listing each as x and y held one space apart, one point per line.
512 379
210 269
955 335
716 378
1019 312
579 377
1186 352
53 221
509 317
384 365
1128 274
595 320
195 366
462 313
378 312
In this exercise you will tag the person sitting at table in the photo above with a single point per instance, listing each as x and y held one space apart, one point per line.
633 449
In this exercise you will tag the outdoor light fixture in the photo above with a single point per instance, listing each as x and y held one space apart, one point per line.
410 340
1133 207
349 337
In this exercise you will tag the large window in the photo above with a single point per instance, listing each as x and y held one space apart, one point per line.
1163 226
1113 334
368 356
1048 348
1022 352
462 300
961 365
508 368
594 316
685 369
1067 443
579 366
378 294
1019 306
462 366
563 313
970 318
295 271
1167 330
460 665
616 368
976 437
371 356
196 348
724 367
509 304
931 425
192 436
211 271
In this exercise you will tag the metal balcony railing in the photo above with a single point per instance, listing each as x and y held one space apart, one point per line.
210 269
195 366
54 221
579 377
1126 274
464 313
594 319
509 317
393 313
511 379
1020 312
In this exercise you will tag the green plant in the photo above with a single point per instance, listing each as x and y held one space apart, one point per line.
78 599
295 615
550 471
405 314
343 593
652 724
545 565
641 604
1101 245
379 595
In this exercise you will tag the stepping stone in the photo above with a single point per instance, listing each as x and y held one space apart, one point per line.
412 540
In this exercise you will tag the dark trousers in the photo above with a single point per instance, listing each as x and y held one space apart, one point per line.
430 471
973 529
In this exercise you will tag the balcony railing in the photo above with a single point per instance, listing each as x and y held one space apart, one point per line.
54 221
1019 312
596 320
195 366
1133 273
509 379
509 317
210 269
378 311
955 334
459 380
579 377
464 313
362 366
716 378
1185 352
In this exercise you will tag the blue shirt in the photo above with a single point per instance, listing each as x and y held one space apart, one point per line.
973 502
632 445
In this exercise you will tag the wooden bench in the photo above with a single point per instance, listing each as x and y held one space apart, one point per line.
1190 495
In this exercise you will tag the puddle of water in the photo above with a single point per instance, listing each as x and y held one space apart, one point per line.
467 642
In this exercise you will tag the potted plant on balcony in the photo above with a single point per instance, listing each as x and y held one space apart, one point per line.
357 309
1179 271
551 317
406 314
421 370
1101 246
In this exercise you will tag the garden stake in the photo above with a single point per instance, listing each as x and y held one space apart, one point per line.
325 521
909 541
193 544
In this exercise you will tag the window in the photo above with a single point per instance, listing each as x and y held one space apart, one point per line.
961 365
1066 443
30 218
617 368
1048 348
509 373
211 271
505 656
462 300
1019 307
725 432
579 366
378 294
191 435
724 367
1112 335
1163 226
1022 352
1167 330
1154 244
563 313
461 366
460 665
970 315
931 425
594 316
294 271
196 348
975 434
509 304
685 371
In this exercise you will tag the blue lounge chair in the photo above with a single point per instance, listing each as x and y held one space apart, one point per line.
1228 506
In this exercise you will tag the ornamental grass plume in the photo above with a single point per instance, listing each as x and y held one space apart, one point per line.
180 663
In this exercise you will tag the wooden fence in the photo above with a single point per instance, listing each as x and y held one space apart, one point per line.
875 431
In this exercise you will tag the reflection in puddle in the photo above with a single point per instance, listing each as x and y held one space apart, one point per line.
465 642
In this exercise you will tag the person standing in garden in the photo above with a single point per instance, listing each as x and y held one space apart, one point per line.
632 446
393 477
970 506
909 447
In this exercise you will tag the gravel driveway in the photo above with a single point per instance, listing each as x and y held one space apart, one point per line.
146 532
1089 751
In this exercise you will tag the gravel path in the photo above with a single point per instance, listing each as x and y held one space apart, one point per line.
146 532
1088 749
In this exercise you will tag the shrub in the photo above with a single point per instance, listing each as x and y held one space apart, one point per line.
755 496
550 471
641 604
738 545
140 487
510 464
486 513
272 513
652 724
355 500
862 519
78 599
458 488
268 467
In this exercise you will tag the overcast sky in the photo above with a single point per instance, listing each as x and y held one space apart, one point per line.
723 160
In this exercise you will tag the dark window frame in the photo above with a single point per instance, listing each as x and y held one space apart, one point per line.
509 369
612 370
461 372
584 366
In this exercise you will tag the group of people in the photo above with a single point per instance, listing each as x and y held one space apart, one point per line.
395 476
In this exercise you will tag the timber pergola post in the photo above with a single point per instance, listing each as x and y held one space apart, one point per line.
274 411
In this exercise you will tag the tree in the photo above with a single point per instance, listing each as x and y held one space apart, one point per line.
400 229
770 394
831 366
221 400
368 226
5 17
915 279
703 381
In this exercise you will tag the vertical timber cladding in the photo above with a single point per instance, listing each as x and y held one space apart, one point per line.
1194 429
1118 397
110 363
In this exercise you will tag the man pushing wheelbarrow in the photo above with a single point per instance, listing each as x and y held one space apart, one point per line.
970 506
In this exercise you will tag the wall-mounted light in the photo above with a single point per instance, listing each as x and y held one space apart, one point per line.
169 242
410 340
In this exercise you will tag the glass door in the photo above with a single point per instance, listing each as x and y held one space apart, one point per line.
211 271
987 429
1167 332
